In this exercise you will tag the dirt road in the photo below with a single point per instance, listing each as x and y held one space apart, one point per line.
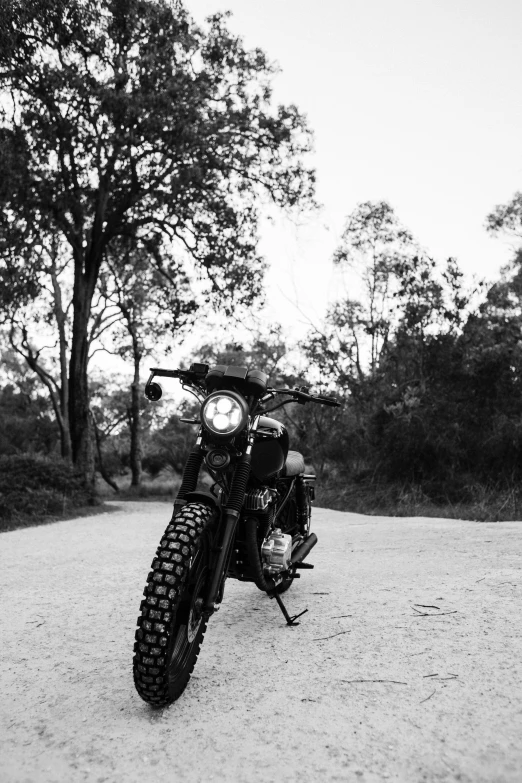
407 666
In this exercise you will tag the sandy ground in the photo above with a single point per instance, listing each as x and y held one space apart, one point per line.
407 666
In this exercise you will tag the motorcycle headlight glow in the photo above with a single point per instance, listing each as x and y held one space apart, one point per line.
224 414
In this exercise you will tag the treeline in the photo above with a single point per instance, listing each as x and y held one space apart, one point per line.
429 371
136 152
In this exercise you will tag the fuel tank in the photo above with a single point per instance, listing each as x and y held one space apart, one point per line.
270 448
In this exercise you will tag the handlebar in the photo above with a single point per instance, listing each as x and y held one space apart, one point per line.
165 373
303 396
196 377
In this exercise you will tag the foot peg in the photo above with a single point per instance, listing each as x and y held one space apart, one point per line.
303 565
289 620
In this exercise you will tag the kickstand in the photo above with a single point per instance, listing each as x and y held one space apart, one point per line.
289 620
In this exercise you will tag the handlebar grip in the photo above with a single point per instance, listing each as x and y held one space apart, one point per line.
328 401
165 373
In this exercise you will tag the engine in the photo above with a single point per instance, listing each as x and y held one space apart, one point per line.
276 552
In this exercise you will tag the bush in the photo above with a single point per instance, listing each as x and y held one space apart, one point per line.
34 487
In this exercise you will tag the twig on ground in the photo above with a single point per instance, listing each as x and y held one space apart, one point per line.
480 580
322 638
432 614
428 697
430 675
427 606
336 616
395 682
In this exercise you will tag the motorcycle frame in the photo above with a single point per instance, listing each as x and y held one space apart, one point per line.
228 514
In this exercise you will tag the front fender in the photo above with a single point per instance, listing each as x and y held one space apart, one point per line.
203 497
197 497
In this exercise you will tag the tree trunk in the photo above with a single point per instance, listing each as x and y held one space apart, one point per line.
61 319
105 476
136 452
79 415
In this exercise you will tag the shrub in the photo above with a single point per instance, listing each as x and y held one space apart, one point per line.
34 487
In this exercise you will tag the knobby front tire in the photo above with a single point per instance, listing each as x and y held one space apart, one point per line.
171 627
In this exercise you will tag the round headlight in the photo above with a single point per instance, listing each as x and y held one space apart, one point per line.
224 413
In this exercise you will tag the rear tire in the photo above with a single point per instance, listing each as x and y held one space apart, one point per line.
171 626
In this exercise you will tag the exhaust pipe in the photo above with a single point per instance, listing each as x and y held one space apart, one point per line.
304 549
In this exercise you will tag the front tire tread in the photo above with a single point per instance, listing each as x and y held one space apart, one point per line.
156 623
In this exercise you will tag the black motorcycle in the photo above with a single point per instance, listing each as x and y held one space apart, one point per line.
253 524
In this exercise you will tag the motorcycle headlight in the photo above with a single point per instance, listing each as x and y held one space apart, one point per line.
224 414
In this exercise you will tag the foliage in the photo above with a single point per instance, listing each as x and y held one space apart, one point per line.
438 406
379 249
26 425
33 488
26 420
266 351
430 422
507 218
124 121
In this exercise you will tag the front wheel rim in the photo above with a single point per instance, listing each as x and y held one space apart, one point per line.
187 630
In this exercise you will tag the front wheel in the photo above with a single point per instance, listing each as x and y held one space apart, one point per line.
171 626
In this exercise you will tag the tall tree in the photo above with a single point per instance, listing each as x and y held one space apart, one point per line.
152 293
122 118
374 244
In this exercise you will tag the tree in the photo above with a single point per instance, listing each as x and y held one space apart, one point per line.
26 421
267 350
396 355
155 300
375 245
121 119
507 218
34 294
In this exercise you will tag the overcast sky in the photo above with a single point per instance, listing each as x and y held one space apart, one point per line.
414 101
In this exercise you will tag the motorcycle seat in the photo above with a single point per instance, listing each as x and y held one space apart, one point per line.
294 464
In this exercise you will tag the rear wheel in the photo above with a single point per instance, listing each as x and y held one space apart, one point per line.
171 626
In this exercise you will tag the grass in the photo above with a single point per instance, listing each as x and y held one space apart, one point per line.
164 486
36 489
37 505
480 503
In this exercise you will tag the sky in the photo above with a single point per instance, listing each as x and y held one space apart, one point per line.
417 102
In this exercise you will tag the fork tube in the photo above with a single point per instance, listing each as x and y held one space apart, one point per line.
231 511
190 475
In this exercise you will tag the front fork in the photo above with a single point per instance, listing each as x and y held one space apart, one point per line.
231 510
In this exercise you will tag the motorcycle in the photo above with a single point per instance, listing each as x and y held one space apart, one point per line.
253 525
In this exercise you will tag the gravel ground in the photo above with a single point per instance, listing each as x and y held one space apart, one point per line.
407 666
